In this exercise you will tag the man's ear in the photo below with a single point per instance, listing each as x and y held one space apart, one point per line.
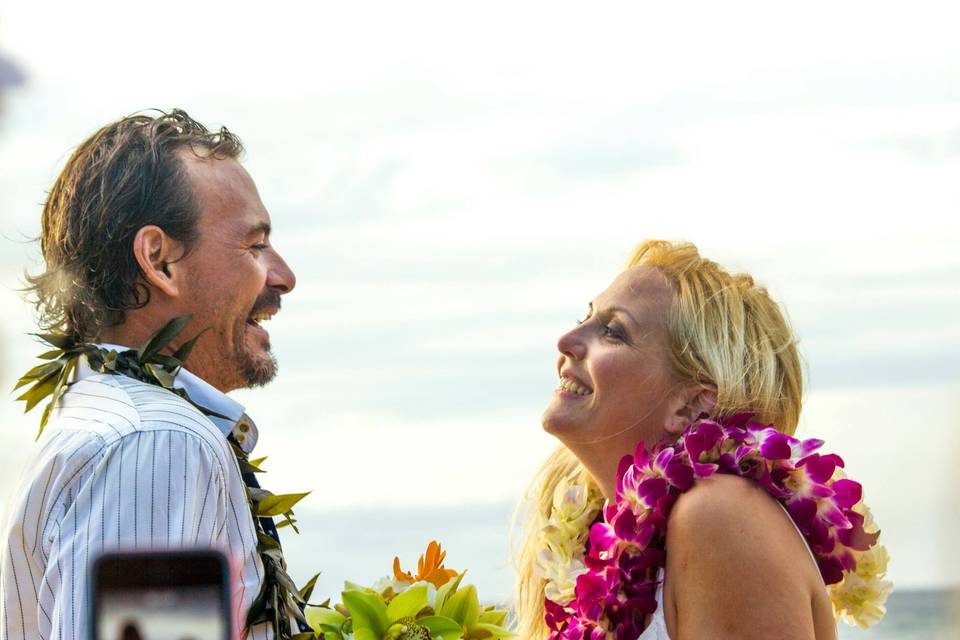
691 403
155 252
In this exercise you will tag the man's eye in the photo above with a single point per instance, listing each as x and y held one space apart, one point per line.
260 246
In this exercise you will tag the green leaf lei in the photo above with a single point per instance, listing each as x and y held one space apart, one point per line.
279 598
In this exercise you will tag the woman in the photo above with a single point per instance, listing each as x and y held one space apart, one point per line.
675 337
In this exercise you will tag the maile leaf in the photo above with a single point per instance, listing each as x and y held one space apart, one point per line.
58 392
247 467
167 362
51 355
41 371
284 581
164 377
183 352
266 542
162 338
279 504
57 340
307 589
44 387
290 521
257 494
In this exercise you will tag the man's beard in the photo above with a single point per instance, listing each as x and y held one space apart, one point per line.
256 370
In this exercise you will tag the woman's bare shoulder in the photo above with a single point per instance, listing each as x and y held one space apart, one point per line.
736 564
738 519
714 503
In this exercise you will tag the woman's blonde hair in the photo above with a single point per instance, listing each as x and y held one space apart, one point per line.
725 331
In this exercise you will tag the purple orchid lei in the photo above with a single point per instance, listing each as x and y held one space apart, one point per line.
626 546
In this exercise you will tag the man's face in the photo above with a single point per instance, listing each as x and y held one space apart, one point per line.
234 277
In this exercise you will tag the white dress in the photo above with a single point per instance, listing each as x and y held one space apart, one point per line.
657 629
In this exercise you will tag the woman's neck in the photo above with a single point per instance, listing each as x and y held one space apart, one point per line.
602 459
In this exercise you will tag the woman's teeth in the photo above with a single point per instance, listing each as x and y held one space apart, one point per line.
566 384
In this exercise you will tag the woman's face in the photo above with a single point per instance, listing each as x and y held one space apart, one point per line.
615 378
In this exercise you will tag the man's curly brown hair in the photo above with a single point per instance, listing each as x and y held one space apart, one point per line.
127 175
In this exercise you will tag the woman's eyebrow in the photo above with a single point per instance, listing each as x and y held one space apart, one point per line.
624 312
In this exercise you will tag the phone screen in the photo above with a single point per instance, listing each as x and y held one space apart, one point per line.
160 596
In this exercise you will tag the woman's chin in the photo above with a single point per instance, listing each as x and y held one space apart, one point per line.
558 423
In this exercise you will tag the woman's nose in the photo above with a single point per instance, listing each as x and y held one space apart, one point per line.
571 344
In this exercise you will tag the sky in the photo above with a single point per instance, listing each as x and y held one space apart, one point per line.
453 183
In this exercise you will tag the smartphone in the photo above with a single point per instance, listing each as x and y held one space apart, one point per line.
167 595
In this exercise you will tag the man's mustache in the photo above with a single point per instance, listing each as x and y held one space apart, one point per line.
268 300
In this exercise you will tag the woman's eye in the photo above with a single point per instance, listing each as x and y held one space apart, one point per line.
610 331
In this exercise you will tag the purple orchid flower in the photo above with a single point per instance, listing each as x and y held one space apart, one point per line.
626 547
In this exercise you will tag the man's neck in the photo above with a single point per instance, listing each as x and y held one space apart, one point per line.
137 330
131 333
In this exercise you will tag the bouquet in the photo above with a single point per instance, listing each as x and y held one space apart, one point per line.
434 604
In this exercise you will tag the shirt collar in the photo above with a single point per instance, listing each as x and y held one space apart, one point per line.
209 397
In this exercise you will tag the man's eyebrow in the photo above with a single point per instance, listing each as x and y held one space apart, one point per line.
260 228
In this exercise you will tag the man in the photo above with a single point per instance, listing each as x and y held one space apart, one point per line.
153 218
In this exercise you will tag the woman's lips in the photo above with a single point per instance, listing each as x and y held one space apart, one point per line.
572 387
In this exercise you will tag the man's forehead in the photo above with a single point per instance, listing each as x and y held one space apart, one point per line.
208 173
225 190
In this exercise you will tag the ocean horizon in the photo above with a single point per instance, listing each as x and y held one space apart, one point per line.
914 614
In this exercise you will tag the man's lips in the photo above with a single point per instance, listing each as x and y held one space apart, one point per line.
262 315
255 318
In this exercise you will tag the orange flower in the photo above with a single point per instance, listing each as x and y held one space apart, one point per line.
429 568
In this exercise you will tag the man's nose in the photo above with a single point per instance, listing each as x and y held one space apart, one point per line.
281 276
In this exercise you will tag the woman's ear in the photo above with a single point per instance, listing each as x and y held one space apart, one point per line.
155 252
693 402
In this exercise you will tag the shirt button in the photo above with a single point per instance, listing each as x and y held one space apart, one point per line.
241 438
244 427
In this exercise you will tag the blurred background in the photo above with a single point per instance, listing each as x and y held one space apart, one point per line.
453 182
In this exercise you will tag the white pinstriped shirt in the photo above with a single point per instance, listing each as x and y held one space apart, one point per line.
124 465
